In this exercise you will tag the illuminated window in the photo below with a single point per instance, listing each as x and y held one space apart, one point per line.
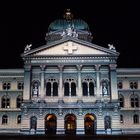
121 118
18 119
5 101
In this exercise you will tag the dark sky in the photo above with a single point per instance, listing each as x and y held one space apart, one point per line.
111 22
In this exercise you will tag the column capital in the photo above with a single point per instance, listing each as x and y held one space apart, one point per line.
60 67
27 67
97 67
113 66
79 67
42 67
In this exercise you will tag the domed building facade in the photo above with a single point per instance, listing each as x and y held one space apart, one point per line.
70 86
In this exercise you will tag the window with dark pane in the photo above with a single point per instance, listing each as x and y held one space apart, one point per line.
91 89
66 89
55 89
73 89
48 89
85 89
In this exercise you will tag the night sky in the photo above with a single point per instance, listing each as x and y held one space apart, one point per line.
114 22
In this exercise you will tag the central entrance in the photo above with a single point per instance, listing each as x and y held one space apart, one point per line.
90 124
70 124
50 124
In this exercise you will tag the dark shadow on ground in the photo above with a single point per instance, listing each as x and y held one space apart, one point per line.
68 137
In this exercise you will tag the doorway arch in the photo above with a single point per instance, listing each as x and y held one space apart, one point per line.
90 124
50 124
70 124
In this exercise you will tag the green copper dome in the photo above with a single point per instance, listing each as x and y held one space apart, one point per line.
68 27
63 24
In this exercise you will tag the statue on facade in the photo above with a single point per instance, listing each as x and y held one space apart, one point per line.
27 48
70 31
35 89
111 47
104 89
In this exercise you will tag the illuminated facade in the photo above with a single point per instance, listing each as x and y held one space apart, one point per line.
69 86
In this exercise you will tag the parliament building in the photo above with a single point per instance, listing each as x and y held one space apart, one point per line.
70 86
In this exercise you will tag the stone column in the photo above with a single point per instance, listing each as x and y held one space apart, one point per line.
61 81
113 82
42 91
98 91
27 83
79 67
80 126
60 126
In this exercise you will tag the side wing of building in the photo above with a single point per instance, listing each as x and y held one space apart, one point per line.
11 96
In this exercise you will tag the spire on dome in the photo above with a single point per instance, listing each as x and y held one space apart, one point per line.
68 15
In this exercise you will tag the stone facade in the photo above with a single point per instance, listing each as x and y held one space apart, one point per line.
71 86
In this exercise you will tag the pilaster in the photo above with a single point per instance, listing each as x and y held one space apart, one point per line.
98 94
113 82
27 82
60 81
79 67
42 91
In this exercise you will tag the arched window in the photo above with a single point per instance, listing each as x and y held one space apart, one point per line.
66 89
69 87
121 118
120 85
20 85
133 85
136 119
73 89
5 101
19 101
35 89
91 89
48 89
4 119
18 119
85 89
134 100
121 100
33 122
107 121
52 87
6 86
55 89
88 86
105 90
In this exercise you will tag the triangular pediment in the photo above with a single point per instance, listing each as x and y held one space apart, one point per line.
70 47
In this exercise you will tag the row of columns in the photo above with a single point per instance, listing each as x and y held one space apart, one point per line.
113 81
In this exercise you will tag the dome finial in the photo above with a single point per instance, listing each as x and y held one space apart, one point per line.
68 15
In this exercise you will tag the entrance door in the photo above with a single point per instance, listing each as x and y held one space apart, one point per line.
50 124
70 124
90 124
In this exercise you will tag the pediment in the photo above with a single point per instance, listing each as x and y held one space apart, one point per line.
70 47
